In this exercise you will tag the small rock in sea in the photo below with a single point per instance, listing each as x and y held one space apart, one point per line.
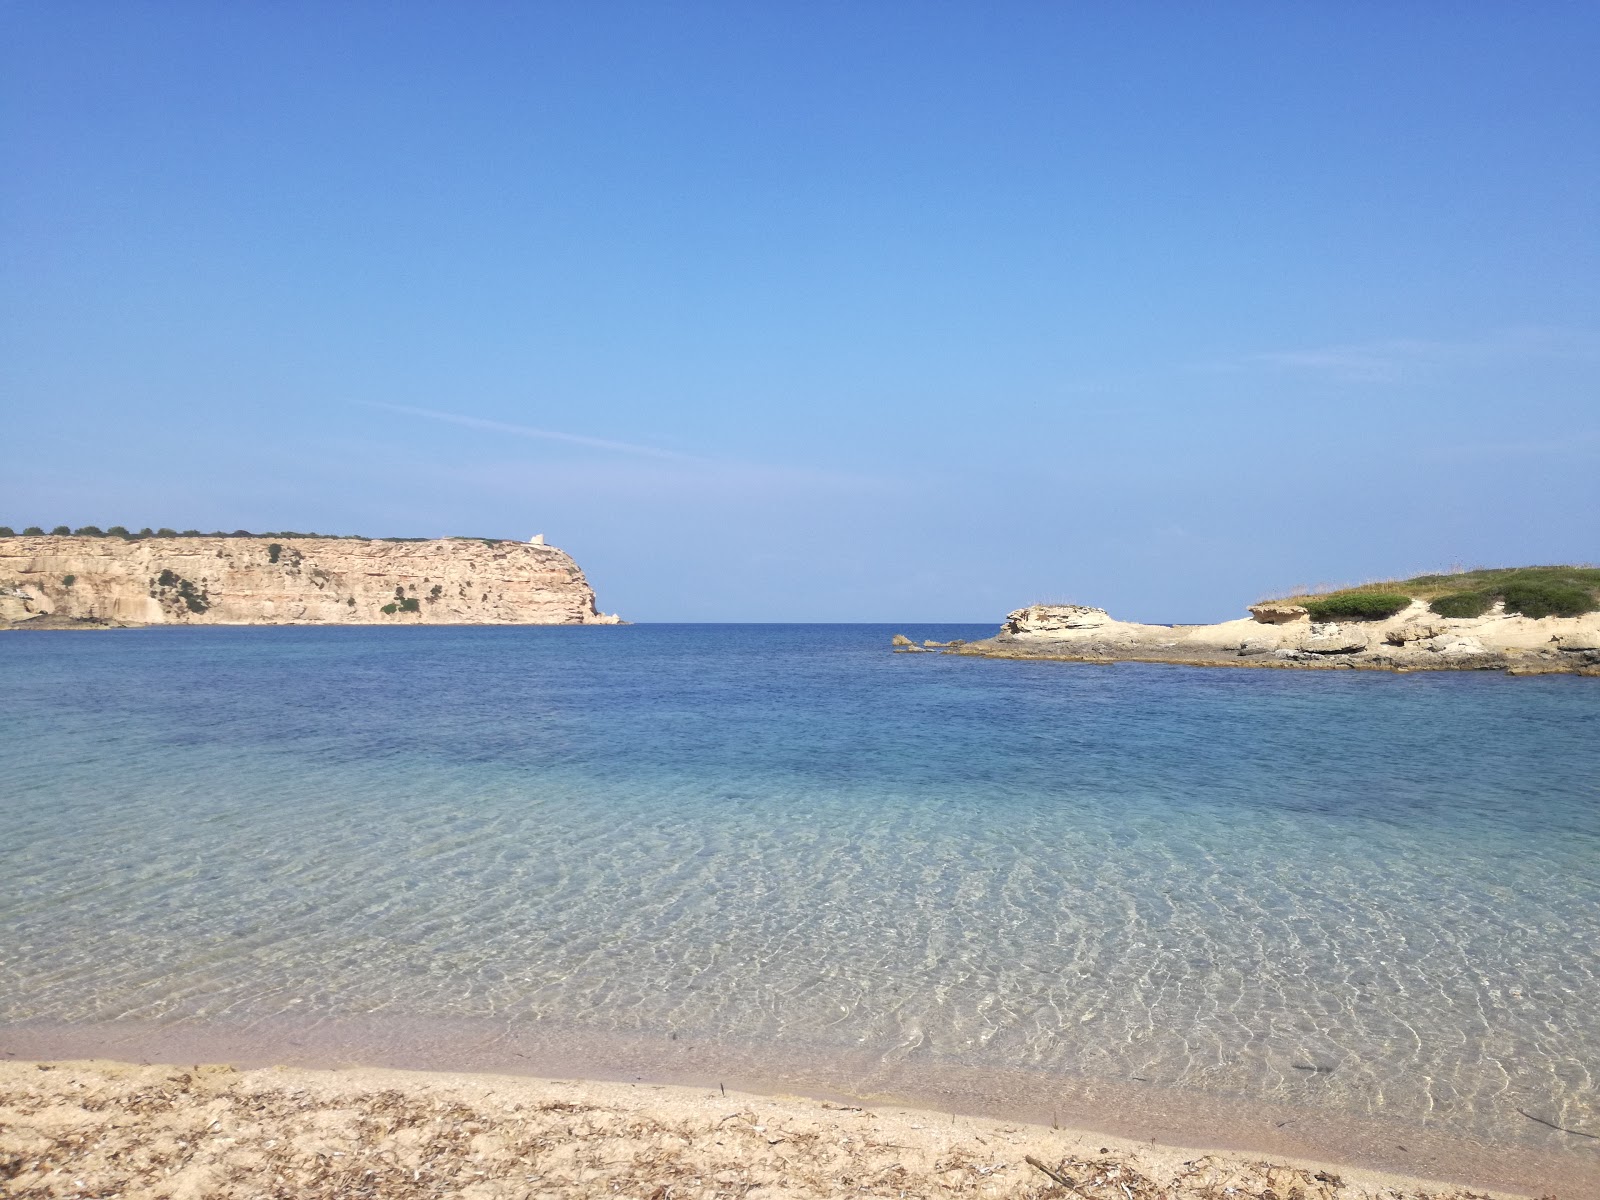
901 639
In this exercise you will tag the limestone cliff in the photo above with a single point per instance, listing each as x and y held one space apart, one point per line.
291 581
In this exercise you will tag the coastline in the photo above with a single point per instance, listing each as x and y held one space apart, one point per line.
1276 1128
1285 638
83 581
103 1127
996 648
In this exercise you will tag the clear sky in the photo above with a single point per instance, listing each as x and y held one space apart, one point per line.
817 311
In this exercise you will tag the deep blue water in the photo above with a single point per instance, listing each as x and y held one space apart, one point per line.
788 836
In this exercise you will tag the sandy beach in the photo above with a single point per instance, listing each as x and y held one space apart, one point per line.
104 1129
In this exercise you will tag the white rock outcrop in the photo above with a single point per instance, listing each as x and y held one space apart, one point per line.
1278 613
1046 620
292 581
1334 639
1416 638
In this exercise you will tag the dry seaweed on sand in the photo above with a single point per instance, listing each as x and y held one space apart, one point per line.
87 1130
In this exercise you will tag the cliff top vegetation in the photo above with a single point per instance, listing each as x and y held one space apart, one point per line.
1426 587
121 531
1548 591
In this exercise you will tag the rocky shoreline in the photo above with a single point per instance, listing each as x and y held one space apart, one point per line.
1283 636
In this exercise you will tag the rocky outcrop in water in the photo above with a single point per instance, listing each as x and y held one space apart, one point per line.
67 581
1048 619
1280 635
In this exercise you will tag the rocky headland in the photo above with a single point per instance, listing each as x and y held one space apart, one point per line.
80 582
1408 626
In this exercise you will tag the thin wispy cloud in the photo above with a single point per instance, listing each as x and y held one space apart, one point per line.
661 470
1390 360
1578 443
528 431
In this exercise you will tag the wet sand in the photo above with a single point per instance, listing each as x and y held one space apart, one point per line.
102 1129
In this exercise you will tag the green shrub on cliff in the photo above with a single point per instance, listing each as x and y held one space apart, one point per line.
88 531
7 531
1531 591
1537 599
1356 606
33 531
1462 604
62 531
273 551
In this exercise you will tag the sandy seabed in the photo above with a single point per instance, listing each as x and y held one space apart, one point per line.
107 1129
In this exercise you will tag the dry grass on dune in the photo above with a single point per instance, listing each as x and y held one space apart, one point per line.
98 1130
1456 579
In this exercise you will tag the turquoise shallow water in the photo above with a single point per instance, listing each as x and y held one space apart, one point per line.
1353 892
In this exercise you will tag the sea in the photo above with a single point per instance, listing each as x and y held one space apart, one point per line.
1315 912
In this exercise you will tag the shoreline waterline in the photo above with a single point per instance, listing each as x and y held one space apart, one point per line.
217 1129
1540 1162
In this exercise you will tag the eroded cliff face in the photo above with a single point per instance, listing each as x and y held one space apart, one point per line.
292 581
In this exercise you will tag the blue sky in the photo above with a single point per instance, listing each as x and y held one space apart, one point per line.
817 311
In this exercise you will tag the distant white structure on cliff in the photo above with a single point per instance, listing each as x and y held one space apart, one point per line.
536 540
